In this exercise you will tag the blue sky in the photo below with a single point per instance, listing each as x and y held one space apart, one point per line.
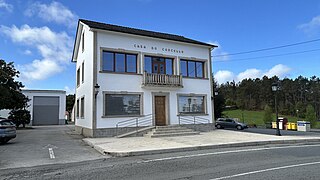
39 35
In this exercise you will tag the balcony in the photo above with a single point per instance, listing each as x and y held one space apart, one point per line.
162 80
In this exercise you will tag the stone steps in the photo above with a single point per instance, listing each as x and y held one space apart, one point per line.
169 131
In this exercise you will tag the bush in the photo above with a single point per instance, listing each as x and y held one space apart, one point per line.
20 116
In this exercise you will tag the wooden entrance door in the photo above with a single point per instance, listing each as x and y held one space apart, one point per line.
160 110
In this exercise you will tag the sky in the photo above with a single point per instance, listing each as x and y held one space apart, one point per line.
38 36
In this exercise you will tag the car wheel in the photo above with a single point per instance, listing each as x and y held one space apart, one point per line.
219 126
239 127
3 141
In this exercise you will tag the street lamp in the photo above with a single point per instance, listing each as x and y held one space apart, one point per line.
276 88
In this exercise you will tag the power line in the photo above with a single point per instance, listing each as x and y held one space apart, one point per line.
275 55
267 49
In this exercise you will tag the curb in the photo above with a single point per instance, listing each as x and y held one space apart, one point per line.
193 148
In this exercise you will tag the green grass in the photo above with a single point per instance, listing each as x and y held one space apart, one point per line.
253 117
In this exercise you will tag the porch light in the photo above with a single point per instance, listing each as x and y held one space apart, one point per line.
96 89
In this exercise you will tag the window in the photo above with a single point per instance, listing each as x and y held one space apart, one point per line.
82 108
122 104
191 104
78 77
82 41
119 62
158 65
192 68
77 109
82 75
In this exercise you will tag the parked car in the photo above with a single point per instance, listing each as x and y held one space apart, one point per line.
229 123
7 130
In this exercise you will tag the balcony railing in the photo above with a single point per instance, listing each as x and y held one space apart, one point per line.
163 80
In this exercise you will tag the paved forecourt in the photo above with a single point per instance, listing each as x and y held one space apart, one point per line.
215 139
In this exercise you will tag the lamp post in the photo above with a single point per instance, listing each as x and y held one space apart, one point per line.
276 88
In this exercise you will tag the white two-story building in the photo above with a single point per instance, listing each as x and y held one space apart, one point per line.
129 78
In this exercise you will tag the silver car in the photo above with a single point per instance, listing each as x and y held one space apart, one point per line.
7 130
229 123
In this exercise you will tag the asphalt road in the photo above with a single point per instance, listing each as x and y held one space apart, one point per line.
267 162
45 145
283 132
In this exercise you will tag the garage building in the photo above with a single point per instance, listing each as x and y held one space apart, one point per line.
47 107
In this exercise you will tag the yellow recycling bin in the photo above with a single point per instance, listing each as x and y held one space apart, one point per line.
289 126
294 126
274 125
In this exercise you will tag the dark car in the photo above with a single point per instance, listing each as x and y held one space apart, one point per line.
229 123
7 130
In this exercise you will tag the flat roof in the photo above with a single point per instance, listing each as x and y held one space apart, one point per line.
43 91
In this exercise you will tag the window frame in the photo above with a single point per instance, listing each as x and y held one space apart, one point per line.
114 61
104 115
195 70
77 108
78 77
82 42
82 104
82 72
165 63
205 105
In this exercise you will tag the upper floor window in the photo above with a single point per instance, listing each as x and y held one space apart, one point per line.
82 43
82 73
78 77
192 68
158 65
119 62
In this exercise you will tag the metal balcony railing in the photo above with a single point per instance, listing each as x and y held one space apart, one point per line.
164 80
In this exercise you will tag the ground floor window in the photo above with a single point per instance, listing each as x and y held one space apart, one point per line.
122 104
82 108
77 108
194 104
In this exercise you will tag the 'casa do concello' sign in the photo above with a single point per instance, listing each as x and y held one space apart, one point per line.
154 48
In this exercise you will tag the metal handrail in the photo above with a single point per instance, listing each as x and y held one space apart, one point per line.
135 122
193 119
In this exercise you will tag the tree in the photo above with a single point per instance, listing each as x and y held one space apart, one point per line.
311 115
10 96
20 116
219 101
70 103
267 116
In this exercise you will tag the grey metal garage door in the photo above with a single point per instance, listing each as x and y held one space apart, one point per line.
45 110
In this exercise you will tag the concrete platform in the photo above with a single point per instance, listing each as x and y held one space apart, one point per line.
133 146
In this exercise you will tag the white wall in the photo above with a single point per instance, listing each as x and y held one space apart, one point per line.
132 83
62 100
85 88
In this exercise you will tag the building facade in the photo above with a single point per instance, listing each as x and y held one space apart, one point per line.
126 75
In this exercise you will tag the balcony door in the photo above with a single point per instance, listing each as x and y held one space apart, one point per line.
158 66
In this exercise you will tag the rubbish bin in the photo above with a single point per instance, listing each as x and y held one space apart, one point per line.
303 126
294 126
289 126
283 123
274 125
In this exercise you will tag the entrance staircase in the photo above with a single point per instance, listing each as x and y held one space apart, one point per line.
170 131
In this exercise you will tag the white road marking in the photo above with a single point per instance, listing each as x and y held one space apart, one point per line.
51 153
228 152
265 170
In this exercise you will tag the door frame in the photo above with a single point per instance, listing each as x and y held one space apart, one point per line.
167 108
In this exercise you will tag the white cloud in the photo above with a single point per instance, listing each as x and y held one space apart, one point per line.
223 76
69 91
27 52
223 56
279 70
311 27
55 50
54 12
6 6
249 73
